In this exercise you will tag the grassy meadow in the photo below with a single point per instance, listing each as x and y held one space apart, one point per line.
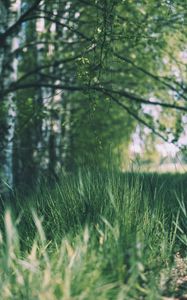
95 235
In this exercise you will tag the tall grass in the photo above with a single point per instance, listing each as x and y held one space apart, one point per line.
93 235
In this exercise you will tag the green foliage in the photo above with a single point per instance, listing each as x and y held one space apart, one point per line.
88 73
106 127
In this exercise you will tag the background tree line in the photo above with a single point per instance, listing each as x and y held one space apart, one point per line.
77 77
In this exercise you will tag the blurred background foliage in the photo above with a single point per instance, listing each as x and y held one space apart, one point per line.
79 78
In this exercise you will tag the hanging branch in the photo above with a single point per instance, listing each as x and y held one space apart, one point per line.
136 117
155 77
15 86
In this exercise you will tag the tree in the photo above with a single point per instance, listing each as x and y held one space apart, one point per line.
86 77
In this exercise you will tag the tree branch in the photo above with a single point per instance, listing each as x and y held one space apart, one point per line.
61 24
144 101
55 64
155 77
21 19
15 87
136 117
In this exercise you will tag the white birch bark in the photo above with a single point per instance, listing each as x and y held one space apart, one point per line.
67 133
3 25
10 73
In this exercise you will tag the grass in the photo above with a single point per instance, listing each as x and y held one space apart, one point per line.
94 235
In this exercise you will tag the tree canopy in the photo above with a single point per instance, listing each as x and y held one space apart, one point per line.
77 77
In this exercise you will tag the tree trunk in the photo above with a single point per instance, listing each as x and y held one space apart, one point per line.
9 68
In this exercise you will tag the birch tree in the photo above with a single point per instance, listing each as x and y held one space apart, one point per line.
88 72
9 73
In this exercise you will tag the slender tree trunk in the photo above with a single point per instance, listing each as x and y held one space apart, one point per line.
3 110
66 155
9 68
